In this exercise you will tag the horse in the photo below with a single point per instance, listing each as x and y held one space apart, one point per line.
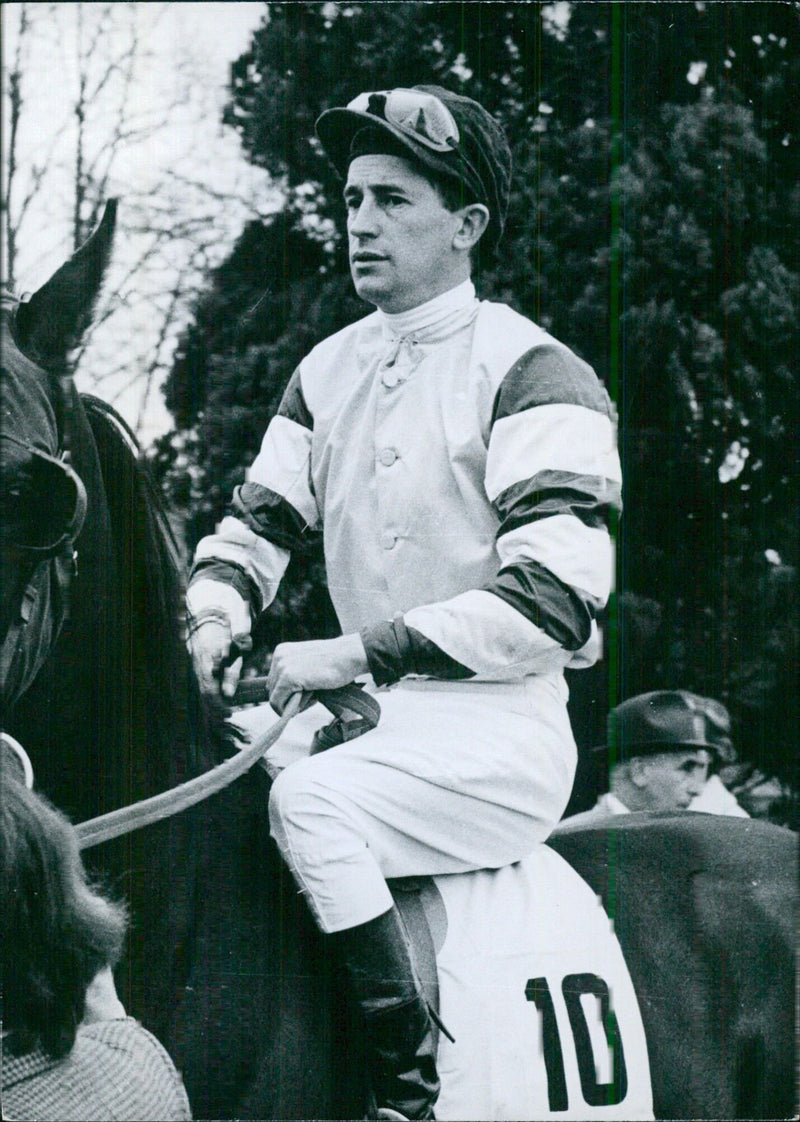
224 963
705 909
77 701
98 688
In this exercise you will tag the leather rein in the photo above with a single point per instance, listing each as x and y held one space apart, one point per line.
347 699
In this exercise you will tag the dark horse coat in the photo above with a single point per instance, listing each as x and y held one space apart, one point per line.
224 963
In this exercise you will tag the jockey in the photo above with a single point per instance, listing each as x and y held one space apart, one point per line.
463 465
660 748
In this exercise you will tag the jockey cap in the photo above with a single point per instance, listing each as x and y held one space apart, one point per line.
450 135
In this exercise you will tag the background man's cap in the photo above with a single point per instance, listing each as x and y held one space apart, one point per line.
667 721
450 135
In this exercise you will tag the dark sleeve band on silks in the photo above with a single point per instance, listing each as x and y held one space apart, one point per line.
549 375
269 515
228 573
293 403
547 602
589 498
394 650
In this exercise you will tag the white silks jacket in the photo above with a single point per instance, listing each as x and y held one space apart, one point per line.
462 465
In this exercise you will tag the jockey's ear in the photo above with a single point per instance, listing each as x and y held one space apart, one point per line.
51 323
474 220
638 771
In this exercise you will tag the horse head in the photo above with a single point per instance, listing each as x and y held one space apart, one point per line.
42 499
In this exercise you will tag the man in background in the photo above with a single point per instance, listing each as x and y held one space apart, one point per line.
661 746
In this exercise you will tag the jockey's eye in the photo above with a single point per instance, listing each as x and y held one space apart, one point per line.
387 198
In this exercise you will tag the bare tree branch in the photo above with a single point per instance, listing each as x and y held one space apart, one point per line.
15 108
167 322
97 137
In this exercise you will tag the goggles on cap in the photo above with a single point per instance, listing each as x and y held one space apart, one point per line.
421 116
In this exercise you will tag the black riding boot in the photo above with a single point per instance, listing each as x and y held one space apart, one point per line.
400 1037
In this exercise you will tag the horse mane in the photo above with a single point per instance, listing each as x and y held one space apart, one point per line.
169 734
115 438
151 566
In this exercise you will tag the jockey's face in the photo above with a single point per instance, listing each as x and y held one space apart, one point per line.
404 242
670 780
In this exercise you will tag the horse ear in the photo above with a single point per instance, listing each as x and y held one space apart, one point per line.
55 317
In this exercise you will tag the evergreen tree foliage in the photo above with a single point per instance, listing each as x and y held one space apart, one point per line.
653 228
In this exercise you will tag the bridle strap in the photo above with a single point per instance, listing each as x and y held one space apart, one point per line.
23 757
66 541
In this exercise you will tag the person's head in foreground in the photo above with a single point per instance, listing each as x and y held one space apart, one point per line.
427 176
56 933
660 747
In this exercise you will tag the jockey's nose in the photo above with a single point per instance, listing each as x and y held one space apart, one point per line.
695 785
363 219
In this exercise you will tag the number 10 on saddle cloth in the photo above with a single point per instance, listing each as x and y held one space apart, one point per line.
535 990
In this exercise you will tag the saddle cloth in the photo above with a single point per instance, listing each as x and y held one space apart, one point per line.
529 978
533 986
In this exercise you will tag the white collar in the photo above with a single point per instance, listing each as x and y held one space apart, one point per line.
444 310
613 805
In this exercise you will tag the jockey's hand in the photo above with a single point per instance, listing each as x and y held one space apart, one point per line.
217 658
319 664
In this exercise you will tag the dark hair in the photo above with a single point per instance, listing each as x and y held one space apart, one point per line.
56 931
451 191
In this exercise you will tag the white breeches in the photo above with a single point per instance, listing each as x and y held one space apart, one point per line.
457 776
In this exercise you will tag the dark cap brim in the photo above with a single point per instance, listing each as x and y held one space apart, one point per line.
665 747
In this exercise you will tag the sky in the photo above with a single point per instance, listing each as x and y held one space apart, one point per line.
181 170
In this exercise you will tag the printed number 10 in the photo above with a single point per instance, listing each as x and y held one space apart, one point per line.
573 987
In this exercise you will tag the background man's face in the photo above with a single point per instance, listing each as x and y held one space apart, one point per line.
672 779
400 234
